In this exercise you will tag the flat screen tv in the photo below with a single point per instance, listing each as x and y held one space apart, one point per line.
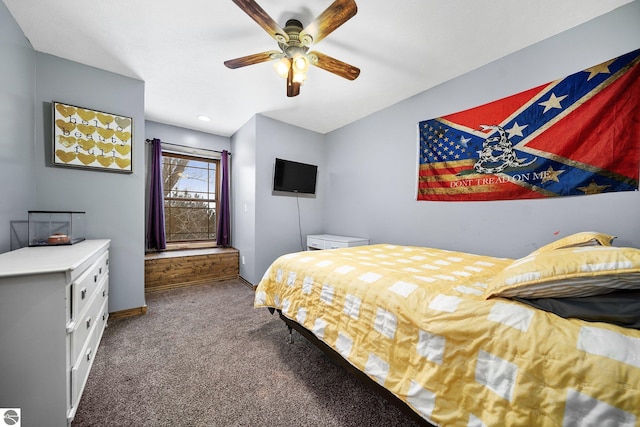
294 177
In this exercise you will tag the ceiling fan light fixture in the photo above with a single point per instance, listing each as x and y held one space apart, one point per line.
300 64
282 67
294 41
299 77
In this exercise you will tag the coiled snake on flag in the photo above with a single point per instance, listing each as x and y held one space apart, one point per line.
497 153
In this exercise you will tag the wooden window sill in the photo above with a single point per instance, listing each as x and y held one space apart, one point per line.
177 253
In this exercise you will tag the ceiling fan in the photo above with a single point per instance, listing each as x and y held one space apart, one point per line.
294 41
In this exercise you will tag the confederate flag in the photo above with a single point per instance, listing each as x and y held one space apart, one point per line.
574 136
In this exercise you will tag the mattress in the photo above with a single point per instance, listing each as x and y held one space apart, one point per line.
417 321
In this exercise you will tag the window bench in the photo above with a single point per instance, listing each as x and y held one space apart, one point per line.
179 268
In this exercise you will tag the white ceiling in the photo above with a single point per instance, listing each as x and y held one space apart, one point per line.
178 48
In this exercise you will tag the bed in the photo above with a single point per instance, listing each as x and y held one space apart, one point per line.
471 340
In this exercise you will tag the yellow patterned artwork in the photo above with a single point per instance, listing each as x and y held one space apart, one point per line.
91 139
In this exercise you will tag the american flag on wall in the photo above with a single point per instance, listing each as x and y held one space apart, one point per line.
574 136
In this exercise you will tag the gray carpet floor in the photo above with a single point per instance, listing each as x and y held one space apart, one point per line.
203 356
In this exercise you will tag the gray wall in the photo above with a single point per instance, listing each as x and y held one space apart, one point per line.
243 196
114 202
187 137
371 164
282 222
366 170
17 121
180 136
266 226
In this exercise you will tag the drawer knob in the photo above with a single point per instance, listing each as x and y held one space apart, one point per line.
88 322
83 293
95 278
100 270
88 355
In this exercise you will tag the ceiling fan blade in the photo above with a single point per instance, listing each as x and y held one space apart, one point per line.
293 88
253 9
339 12
256 58
333 65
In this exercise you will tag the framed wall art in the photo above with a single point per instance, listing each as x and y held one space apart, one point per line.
92 139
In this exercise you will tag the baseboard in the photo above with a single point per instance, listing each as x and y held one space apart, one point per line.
247 283
138 311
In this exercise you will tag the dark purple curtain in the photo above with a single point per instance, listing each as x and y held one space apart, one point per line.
156 237
224 216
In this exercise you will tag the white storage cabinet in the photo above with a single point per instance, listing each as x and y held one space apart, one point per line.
53 311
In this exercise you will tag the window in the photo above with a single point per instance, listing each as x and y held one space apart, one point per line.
190 197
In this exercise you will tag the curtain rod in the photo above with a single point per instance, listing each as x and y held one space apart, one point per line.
187 146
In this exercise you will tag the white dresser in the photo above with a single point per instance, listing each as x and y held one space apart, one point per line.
53 310
329 241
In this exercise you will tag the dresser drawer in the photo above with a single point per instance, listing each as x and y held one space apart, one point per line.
83 289
329 241
332 244
81 327
82 366
315 243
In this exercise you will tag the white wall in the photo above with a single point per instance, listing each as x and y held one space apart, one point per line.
17 122
371 164
113 202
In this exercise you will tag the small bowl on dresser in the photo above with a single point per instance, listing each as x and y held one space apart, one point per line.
58 239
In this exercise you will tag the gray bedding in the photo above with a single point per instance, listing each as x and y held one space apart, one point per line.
619 308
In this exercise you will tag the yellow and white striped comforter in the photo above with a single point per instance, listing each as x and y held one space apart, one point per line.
416 321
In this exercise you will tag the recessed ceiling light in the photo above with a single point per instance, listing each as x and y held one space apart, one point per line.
204 118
